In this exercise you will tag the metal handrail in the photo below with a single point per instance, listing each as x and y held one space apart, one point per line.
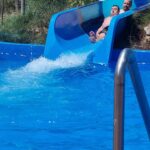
127 60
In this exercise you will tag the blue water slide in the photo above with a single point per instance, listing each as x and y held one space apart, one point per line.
68 30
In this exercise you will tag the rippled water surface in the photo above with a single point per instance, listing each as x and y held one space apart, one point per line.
65 105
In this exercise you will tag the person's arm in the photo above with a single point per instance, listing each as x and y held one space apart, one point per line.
99 30
105 24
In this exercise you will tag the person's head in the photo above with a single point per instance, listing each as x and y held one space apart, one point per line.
127 4
115 10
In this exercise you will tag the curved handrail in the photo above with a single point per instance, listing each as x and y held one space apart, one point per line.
127 60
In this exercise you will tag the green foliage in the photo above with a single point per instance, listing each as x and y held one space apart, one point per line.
74 3
9 5
32 27
15 28
138 35
142 18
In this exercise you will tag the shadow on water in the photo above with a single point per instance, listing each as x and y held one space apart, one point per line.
80 72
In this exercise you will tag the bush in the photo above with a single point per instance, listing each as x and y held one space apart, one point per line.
138 35
32 27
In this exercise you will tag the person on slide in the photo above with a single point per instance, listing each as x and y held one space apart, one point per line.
102 30
126 6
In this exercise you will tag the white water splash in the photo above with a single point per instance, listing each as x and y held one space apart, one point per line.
43 65
31 75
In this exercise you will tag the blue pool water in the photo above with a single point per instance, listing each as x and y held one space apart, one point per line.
65 105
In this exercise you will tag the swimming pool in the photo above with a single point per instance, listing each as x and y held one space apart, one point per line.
65 105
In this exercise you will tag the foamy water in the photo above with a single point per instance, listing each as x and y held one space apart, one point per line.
31 74
43 65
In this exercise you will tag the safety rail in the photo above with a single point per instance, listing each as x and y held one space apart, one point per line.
127 60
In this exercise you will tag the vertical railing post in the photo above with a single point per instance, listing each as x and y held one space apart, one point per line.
119 114
119 103
127 59
140 92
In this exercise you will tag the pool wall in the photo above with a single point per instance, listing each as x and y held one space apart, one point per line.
28 52
142 56
17 51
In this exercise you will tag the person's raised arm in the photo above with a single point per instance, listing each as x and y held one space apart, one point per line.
105 24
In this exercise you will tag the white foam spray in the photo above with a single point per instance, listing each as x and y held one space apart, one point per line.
31 74
43 65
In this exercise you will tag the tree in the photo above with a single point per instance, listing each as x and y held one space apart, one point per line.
32 25
17 5
2 11
22 7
